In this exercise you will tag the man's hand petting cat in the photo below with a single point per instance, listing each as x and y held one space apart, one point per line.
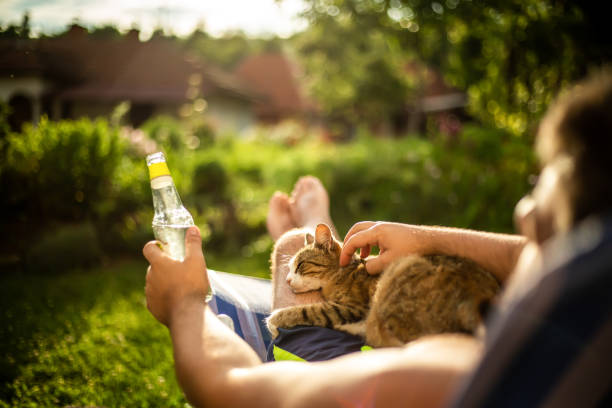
393 239
170 284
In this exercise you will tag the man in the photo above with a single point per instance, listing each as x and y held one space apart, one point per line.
548 342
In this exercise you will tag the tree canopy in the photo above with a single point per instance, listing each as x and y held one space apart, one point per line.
510 56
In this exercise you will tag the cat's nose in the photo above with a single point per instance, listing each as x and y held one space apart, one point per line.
288 280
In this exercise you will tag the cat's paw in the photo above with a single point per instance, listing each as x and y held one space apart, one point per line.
272 323
356 328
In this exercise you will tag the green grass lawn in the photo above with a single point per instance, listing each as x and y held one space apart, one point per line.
86 338
83 338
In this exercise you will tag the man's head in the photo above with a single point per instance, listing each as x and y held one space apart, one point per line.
574 144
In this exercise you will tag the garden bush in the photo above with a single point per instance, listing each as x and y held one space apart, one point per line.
166 131
68 172
64 248
59 169
471 181
76 171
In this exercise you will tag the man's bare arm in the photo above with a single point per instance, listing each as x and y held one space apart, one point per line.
497 253
216 368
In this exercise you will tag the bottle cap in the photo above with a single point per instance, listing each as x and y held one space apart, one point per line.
157 165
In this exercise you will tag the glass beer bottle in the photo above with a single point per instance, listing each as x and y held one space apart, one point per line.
171 218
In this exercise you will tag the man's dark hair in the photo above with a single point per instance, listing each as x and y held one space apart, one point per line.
579 126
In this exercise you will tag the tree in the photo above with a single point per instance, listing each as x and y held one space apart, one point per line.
226 51
511 56
17 31
105 32
353 70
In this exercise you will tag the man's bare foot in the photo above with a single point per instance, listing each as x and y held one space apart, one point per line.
279 218
309 204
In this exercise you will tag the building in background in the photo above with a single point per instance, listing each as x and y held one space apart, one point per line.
78 75
434 101
277 79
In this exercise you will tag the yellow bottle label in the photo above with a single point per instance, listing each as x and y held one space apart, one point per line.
158 169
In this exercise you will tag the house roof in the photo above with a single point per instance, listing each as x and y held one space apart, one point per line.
275 77
436 94
120 68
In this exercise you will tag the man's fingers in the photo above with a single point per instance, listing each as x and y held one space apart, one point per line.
358 240
193 244
365 251
358 227
375 265
152 251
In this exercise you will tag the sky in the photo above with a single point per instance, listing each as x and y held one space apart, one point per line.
181 17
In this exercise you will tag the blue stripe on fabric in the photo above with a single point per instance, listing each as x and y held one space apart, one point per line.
261 320
225 307
229 309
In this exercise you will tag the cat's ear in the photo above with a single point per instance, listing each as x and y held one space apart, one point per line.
308 239
323 236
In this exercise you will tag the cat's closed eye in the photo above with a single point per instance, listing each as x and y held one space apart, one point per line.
299 268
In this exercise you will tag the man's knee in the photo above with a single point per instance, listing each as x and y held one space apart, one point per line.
290 243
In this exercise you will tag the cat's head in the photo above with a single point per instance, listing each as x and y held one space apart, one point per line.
311 268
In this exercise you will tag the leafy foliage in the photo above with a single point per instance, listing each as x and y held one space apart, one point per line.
228 50
55 251
355 74
511 57
69 172
60 170
470 181
14 31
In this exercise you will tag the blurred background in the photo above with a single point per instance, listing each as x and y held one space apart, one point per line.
407 110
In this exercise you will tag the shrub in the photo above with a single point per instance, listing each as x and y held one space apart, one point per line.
59 170
470 181
210 178
166 131
72 172
64 248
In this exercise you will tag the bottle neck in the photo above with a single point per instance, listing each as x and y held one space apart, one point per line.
165 195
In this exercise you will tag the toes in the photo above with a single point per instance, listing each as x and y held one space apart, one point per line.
280 200
305 184
279 219
279 204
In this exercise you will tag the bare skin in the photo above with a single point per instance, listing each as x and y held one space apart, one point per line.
279 218
309 204
289 219
306 207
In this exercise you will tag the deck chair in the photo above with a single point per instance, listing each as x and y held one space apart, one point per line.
247 302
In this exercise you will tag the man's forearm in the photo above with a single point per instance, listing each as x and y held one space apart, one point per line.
205 351
498 253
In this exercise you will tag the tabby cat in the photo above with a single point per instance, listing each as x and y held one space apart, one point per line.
414 296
